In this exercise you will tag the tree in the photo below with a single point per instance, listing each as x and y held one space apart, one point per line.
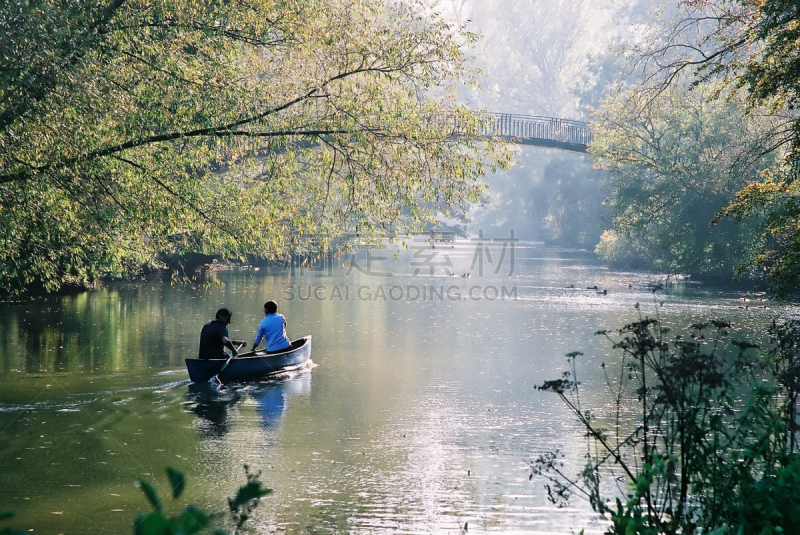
675 160
133 128
748 47
778 203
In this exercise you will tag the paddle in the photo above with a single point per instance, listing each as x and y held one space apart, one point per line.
226 363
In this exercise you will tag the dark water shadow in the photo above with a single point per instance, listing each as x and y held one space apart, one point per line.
212 403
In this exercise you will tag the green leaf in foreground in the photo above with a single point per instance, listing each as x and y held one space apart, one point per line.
253 490
177 480
153 523
193 519
150 492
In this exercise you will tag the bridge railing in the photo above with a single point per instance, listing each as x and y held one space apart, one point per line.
543 128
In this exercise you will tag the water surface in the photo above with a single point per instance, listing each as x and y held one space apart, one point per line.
418 414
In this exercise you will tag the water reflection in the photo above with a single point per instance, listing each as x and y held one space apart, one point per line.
273 396
423 411
212 403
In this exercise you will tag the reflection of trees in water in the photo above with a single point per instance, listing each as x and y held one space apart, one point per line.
120 327
212 402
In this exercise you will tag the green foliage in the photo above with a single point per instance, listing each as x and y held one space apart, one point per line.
193 519
709 441
746 50
247 498
177 480
675 160
622 251
778 251
151 494
628 519
135 129
772 504
771 71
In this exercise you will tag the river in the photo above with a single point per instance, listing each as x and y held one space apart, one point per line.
419 413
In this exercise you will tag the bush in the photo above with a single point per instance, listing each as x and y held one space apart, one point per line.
193 519
712 443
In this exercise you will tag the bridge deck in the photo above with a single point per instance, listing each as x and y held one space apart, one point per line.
552 132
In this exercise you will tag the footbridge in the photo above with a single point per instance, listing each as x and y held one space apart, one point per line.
551 132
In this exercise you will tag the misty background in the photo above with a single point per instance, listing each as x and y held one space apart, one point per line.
554 58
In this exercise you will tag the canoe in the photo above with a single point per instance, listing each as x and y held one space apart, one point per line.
252 365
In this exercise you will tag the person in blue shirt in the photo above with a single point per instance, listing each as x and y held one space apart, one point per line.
273 329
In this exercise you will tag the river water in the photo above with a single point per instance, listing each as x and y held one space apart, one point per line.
419 413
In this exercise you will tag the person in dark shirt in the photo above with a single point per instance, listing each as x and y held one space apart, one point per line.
214 337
